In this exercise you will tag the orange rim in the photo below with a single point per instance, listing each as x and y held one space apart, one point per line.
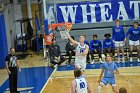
67 24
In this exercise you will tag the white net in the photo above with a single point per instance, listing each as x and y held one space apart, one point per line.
64 31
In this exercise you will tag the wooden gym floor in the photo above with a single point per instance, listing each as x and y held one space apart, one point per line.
60 81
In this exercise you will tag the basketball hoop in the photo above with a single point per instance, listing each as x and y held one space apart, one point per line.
64 29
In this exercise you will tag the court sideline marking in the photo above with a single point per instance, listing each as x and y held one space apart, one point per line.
48 80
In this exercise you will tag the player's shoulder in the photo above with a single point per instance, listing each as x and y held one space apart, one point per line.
121 26
104 64
86 45
73 82
131 28
114 26
92 40
114 63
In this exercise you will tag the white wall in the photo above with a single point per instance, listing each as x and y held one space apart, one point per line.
12 13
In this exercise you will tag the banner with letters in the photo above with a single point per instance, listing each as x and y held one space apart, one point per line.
92 12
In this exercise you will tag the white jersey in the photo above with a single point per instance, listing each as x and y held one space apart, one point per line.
81 85
80 49
80 61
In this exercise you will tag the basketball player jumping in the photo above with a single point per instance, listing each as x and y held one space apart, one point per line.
79 84
109 68
80 52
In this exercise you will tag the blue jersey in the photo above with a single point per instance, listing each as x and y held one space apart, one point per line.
118 33
109 69
134 34
95 44
108 43
86 42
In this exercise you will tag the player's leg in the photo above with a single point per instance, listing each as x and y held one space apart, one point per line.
77 64
92 56
131 43
137 44
100 56
101 85
83 68
118 54
69 53
88 58
114 89
100 88
54 63
62 59
118 50
112 82
138 53
122 50
131 51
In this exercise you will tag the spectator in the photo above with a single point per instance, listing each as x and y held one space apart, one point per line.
134 40
55 54
108 45
70 50
95 47
118 37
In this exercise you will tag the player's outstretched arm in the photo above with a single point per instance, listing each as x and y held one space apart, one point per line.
71 40
73 87
102 71
116 70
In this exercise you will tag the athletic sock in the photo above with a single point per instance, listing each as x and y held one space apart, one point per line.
99 89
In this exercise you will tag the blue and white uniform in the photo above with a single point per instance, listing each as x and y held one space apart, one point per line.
118 36
96 44
81 85
108 43
109 76
134 36
80 61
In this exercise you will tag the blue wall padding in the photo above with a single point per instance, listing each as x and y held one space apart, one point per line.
46 26
3 41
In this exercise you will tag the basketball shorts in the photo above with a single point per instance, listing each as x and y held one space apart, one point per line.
119 43
111 81
134 43
80 65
